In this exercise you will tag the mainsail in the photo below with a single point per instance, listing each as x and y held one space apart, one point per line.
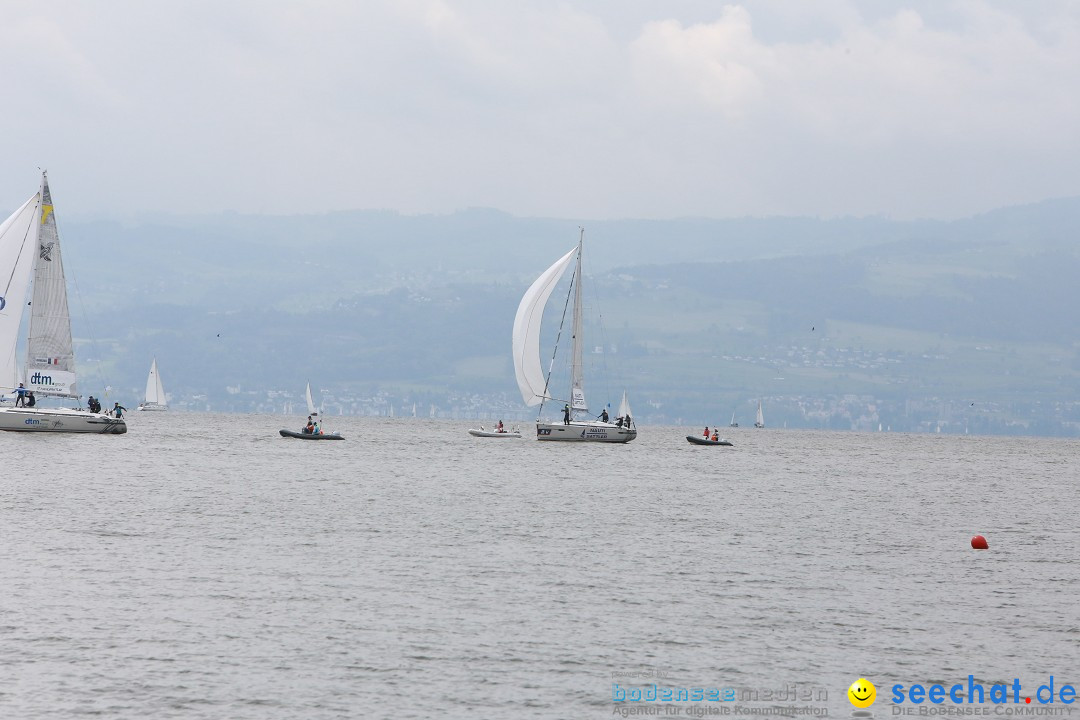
155 391
526 338
312 410
18 237
50 361
624 409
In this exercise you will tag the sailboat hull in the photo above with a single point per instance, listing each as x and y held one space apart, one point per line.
585 432
60 420
152 406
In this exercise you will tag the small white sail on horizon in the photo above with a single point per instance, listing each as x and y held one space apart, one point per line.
760 421
154 397
312 410
624 411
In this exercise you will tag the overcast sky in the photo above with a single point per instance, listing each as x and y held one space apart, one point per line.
602 109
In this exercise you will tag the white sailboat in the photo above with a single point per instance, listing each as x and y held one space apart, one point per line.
733 423
760 421
30 245
313 414
154 398
532 381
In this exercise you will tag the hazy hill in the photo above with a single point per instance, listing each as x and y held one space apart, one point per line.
701 314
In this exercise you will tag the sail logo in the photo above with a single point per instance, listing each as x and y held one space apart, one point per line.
39 379
47 361
46 252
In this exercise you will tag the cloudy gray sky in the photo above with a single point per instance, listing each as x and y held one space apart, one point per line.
602 109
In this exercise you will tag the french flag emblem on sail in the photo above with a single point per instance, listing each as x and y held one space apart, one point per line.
54 361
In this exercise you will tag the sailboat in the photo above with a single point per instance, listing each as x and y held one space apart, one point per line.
30 246
532 381
760 421
154 399
313 414
733 423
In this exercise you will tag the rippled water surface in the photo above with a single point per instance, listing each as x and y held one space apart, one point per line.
203 567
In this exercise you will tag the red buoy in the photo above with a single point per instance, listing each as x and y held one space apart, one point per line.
979 543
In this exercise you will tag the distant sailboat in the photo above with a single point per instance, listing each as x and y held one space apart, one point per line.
760 422
154 398
733 423
314 414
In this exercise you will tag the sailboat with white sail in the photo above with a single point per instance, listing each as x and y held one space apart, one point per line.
316 432
30 248
154 398
760 421
577 424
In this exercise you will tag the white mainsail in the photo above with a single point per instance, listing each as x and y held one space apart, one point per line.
624 409
526 338
760 422
50 360
312 410
155 391
18 238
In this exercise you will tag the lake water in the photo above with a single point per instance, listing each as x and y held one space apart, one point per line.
203 567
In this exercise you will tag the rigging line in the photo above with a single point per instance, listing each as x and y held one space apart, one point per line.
558 336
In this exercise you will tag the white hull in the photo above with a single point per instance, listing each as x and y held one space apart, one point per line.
493 434
62 420
578 431
158 407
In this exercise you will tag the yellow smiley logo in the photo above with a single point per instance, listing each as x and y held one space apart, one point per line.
862 693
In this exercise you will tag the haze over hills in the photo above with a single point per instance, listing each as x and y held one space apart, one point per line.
965 325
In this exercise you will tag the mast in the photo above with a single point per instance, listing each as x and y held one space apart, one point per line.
577 345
